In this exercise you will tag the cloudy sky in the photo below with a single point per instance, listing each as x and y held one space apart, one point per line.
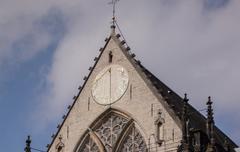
46 47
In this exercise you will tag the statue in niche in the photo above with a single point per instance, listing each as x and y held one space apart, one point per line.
159 128
60 145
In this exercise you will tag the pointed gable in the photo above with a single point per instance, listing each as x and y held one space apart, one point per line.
140 98
144 96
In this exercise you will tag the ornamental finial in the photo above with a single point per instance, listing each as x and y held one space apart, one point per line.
113 3
185 125
28 145
210 126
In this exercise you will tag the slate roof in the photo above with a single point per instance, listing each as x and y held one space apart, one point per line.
197 120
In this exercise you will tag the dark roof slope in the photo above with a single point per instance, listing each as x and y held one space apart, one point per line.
197 120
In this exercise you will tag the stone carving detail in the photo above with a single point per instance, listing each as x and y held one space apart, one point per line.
110 130
134 142
60 145
159 128
89 146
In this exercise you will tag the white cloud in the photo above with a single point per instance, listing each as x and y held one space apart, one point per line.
22 35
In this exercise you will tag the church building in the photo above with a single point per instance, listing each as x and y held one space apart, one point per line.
123 107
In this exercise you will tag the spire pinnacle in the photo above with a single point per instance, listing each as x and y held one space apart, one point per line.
210 126
185 125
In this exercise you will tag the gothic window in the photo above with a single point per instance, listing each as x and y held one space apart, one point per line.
113 132
110 129
134 142
89 146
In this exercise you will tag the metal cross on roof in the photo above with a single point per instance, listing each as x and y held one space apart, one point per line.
113 2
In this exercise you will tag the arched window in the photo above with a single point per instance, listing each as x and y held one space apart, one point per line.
89 145
112 132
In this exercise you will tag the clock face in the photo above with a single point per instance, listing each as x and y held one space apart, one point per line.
110 84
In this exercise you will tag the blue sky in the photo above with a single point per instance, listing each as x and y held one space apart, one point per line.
47 46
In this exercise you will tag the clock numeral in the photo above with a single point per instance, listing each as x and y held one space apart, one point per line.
131 92
88 103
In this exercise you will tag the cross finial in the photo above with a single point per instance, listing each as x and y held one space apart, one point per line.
28 145
113 2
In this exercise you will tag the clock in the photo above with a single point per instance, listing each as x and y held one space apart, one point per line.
110 84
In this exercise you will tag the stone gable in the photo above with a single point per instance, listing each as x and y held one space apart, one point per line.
139 102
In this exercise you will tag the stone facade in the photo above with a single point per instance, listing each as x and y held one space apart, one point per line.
141 103
148 117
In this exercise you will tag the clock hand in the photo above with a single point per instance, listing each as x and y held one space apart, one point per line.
102 75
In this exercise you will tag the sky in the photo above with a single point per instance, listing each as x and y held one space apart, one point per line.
47 46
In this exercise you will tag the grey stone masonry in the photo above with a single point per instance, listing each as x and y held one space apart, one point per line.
141 102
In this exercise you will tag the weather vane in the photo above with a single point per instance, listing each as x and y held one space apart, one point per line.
113 2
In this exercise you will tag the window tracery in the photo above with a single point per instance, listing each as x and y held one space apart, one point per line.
110 129
89 146
113 132
134 142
